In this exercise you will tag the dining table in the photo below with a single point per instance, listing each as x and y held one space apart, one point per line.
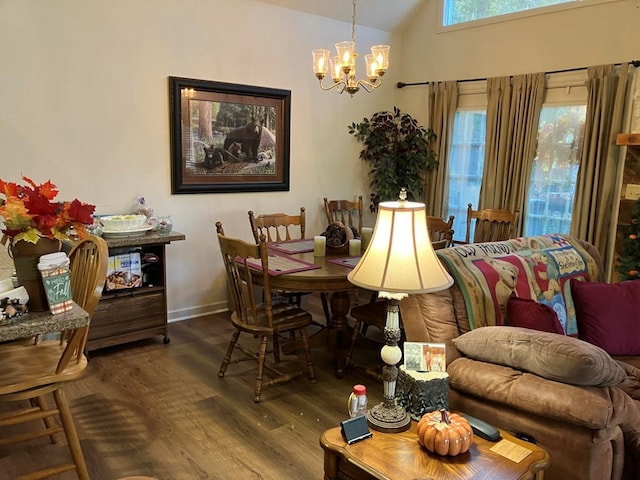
41 323
325 274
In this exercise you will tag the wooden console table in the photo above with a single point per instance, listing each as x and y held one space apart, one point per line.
134 313
392 456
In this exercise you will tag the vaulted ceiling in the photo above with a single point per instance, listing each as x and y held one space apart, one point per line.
387 15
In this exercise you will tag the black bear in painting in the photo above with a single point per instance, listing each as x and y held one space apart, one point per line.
249 137
216 155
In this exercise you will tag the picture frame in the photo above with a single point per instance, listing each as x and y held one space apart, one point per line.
425 357
227 137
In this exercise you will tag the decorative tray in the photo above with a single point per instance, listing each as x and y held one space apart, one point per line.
127 233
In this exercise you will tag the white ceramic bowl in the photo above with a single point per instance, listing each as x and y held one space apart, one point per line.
122 223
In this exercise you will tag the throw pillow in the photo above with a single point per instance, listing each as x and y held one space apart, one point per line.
607 315
527 313
556 357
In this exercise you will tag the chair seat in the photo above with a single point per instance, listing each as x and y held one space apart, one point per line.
285 317
24 367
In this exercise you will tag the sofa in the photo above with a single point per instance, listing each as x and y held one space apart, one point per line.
570 396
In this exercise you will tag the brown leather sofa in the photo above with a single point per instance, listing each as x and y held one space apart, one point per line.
590 432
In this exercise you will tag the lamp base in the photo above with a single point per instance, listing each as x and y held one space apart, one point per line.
387 419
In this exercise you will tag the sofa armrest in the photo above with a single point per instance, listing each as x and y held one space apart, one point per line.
592 407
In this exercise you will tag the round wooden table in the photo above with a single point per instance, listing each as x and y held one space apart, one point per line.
330 278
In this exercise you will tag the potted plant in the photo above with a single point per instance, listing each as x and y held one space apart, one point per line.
398 150
36 224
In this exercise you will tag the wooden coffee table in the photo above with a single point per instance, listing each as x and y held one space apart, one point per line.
391 456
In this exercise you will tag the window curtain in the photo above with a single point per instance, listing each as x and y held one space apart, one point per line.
596 197
442 102
513 112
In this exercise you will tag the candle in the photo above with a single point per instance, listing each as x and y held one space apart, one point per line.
319 246
354 247
365 236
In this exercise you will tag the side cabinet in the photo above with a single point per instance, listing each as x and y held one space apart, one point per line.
131 314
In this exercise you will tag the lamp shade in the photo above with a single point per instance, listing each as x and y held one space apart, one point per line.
400 257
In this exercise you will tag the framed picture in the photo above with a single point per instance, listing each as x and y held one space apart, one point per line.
425 357
227 137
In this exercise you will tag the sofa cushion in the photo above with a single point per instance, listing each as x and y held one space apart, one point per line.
607 315
527 313
560 358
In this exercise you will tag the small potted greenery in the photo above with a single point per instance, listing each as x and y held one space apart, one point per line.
399 152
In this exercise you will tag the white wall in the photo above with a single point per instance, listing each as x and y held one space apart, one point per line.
576 38
84 95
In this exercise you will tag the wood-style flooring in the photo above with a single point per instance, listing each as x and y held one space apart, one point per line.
160 410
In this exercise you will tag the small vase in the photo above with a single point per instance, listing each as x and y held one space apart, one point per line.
25 259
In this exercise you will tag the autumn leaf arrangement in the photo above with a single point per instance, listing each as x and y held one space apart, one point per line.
30 211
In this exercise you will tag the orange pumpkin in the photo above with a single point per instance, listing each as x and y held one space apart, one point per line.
444 433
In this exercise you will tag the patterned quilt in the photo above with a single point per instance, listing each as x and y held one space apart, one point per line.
531 267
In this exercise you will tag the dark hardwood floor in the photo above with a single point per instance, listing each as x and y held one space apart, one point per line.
160 410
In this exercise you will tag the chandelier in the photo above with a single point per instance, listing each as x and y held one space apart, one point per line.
343 65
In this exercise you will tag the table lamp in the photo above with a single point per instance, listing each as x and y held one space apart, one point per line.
398 261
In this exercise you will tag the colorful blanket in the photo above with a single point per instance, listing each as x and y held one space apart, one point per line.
531 267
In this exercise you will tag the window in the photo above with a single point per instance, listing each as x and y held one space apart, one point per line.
555 168
549 205
455 12
465 165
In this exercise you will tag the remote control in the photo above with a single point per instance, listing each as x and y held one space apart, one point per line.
482 429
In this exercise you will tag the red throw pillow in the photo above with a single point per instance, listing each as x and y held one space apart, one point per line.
527 313
607 315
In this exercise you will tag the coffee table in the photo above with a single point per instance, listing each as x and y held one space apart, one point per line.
392 456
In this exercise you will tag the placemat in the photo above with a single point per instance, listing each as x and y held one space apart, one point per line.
281 264
293 246
349 262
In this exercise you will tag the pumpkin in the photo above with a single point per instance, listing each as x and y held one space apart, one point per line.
444 433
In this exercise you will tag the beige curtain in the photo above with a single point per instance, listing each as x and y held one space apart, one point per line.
513 111
442 102
596 198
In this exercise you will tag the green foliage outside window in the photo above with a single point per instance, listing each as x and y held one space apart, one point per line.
460 11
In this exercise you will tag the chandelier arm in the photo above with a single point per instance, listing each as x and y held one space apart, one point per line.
334 85
368 86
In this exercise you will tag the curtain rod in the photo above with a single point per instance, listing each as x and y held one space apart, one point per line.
635 63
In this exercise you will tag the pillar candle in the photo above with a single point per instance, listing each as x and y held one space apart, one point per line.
365 236
354 247
319 245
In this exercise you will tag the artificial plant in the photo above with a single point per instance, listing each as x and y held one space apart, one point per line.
399 152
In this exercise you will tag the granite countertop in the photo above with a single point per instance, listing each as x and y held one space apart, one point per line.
148 238
39 323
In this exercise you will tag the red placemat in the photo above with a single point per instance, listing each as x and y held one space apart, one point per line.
293 246
349 262
281 264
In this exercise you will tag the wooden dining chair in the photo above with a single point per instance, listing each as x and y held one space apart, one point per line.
29 372
278 227
441 232
347 212
491 225
259 319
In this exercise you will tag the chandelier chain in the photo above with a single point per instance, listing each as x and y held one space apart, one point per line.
353 23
